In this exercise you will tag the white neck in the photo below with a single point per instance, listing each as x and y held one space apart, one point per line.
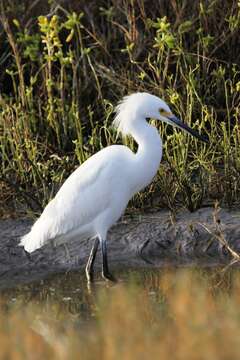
149 154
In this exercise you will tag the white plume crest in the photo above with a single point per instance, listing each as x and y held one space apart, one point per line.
136 107
120 120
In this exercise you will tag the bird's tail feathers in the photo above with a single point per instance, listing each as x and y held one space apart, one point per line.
30 242
35 239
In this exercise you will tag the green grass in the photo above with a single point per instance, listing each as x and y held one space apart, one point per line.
62 75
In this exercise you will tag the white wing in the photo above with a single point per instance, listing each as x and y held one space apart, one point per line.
83 196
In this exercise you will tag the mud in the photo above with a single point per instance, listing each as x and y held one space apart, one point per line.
161 239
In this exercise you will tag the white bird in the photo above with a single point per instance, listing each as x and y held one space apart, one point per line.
96 194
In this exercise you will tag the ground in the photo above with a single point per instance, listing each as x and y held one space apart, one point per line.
207 236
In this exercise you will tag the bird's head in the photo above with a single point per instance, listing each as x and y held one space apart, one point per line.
142 106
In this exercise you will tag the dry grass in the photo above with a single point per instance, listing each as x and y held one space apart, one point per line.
179 315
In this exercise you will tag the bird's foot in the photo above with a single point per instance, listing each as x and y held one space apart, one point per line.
108 276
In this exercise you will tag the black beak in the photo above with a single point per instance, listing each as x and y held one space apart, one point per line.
175 121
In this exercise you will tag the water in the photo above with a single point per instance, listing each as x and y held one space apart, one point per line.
145 315
70 293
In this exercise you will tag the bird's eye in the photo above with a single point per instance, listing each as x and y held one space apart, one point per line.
161 111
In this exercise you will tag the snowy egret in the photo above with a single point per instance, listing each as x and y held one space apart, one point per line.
96 194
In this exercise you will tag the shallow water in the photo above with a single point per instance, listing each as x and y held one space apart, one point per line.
69 293
146 312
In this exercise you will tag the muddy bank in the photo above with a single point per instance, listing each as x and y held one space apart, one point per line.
187 238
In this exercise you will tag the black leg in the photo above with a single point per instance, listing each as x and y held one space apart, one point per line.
91 259
105 271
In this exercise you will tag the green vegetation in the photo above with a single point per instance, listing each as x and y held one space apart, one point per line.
184 314
62 75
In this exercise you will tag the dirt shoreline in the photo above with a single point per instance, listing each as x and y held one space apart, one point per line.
186 239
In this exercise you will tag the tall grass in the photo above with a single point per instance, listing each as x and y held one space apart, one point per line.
62 74
181 315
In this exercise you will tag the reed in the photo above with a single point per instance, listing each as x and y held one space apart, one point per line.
63 73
